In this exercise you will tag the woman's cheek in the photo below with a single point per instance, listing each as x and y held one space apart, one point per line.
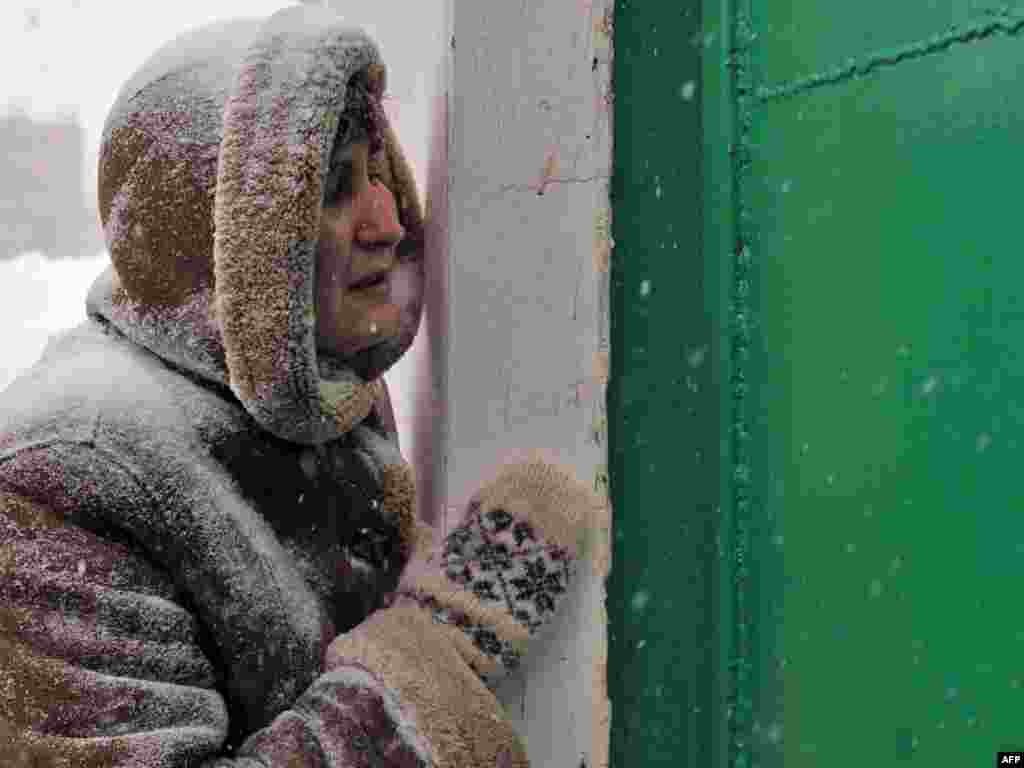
407 286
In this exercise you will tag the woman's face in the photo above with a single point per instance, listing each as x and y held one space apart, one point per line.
359 291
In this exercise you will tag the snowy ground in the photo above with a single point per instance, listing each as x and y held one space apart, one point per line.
38 298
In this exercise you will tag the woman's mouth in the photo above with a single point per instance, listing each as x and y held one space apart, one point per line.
376 283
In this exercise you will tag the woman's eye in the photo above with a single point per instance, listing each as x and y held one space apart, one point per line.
339 182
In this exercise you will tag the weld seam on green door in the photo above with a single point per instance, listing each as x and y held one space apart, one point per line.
1009 24
742 97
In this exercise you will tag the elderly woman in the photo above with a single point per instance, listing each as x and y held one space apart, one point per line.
209 554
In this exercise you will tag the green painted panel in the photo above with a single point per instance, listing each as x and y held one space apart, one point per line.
887 307
799 38
663 395
839 344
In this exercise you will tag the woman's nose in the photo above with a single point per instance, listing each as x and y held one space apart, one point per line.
376 217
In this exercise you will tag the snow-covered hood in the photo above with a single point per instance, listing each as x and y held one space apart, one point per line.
212 169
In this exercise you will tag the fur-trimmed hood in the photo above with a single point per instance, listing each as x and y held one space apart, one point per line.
213 165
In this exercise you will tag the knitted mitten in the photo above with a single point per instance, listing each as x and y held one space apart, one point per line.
462 616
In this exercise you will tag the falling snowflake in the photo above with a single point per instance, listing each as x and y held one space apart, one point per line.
640 600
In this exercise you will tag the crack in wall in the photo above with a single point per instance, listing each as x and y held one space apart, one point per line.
551 180
1002 22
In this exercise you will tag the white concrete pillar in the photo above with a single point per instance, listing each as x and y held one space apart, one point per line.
518 308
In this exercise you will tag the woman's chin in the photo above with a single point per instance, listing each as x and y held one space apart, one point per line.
370 355
370 363
366 361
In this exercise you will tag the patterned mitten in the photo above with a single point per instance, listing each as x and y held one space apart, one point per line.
462 617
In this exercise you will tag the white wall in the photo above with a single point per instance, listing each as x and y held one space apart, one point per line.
523 338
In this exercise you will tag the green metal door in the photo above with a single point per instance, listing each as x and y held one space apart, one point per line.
844 181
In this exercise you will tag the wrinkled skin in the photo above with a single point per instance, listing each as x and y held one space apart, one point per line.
357 306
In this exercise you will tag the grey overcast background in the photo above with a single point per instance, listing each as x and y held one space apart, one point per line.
64 61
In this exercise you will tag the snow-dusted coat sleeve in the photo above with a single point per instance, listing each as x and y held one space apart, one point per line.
102 665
